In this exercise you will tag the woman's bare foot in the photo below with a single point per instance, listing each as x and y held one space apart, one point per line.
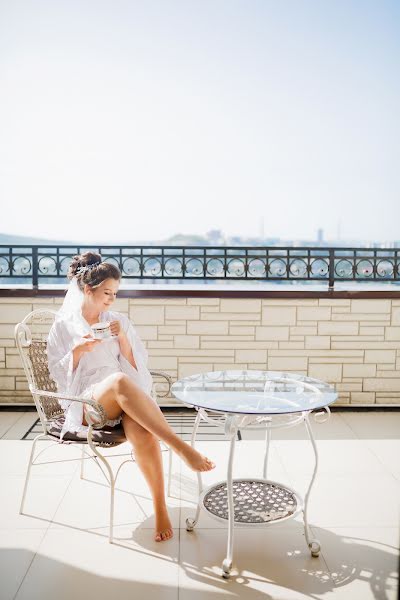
163 526
195 460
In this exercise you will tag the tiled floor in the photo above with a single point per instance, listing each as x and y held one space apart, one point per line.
59 548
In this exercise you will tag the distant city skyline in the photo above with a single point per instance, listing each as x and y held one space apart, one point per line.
162 118
212 237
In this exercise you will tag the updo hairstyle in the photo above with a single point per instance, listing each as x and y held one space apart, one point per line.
89 269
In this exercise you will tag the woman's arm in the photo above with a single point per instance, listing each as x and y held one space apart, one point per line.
60 357
64 360
124 343
133 352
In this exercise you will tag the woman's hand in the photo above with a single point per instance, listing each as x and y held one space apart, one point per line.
87 346
116 329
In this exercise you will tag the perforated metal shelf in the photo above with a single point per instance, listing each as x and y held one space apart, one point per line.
255 501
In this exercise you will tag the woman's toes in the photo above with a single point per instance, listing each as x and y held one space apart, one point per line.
162 536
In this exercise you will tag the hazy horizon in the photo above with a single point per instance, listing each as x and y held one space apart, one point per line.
145 120
7 239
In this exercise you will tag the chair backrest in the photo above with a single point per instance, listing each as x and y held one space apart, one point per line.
31 340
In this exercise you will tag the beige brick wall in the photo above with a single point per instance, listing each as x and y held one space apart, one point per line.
353 344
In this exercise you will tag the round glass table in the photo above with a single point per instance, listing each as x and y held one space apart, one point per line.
235 400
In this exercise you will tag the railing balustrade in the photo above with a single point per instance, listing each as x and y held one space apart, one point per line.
44 264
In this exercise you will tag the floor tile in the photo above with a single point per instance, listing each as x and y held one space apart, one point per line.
74 564
363 562
56 459
42 499
20 427
349 500
8 419
387 452
335 428
17 551
334 456
373 425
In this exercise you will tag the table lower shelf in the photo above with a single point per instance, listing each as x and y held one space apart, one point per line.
256 502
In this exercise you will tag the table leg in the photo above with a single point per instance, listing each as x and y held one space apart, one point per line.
227 563
313 543
267 442
191 522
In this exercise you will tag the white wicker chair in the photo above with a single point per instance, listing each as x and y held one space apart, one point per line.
31 340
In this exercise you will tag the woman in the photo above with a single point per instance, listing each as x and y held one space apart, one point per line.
112 372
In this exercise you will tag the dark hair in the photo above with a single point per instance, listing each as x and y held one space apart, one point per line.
89 269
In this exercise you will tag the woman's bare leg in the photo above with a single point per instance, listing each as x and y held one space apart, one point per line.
117 393
148 457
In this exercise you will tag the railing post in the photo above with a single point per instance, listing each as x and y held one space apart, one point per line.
331 268
35 268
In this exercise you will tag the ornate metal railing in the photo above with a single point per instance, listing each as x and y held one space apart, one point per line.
45 264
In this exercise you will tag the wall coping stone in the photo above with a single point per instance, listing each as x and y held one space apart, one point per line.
219 291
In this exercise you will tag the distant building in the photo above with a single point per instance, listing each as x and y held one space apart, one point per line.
215 237
235 241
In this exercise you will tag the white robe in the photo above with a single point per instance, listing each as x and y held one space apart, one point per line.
93 366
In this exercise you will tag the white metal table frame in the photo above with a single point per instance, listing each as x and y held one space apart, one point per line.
231 424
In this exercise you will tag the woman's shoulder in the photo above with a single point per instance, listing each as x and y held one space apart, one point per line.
59 332
59 325
65 326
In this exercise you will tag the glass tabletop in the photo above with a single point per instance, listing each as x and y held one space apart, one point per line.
254 392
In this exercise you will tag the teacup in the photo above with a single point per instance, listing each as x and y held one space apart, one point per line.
101 331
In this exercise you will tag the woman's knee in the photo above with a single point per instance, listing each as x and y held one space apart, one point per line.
121 382
125 390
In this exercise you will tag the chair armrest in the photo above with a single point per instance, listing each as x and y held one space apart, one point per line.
167 377
97 409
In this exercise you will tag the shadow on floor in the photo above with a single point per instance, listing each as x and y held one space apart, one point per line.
348 559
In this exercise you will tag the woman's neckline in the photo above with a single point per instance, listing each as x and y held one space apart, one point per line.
98 321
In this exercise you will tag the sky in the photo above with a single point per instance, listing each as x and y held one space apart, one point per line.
126 121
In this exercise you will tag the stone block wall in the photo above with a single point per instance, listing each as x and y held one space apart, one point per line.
351 343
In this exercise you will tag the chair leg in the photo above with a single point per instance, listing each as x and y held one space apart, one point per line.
112 496
82 459
28 471
111 482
